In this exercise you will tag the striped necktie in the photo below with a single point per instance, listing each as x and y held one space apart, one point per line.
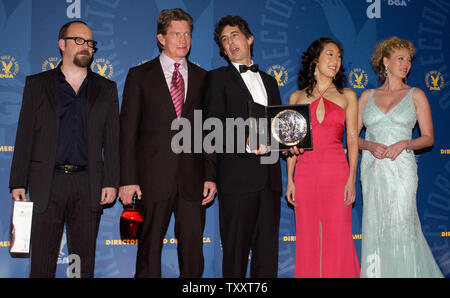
177 90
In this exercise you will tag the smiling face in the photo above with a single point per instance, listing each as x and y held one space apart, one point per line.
177 40
329 61
399 63
235 45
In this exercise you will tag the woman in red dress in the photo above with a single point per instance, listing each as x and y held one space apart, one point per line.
322 190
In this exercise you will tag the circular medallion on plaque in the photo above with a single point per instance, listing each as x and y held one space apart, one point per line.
289 127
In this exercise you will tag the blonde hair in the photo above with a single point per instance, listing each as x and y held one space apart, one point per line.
166 17
386 48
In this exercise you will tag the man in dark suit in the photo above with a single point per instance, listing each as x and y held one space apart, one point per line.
156 94
67 153
249 190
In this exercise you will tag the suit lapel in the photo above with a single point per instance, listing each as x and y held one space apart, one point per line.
238 79
52 90
157 76
192 85
267 85
52 95
93 90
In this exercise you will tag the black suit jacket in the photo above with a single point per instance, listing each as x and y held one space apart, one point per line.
227 97
37 136
147 158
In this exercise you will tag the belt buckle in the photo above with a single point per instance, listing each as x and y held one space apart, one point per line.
66 169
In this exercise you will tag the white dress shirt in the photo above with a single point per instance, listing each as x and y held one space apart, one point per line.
256 87
254 84
168 67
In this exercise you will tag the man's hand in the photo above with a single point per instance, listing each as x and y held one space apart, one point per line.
261 150
126 193
18 194
209 191
108 195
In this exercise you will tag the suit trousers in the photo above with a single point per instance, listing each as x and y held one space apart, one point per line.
189 225
250 222
69 204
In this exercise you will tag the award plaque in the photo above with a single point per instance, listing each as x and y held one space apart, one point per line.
281 126
289 127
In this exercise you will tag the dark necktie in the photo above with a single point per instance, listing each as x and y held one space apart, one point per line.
177 90
243 68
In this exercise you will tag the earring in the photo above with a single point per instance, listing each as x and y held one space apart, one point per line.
385 71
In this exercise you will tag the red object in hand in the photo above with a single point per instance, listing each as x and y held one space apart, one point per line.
131 221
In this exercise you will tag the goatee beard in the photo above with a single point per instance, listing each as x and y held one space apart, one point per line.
82 61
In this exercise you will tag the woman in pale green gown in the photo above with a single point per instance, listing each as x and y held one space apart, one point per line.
393 244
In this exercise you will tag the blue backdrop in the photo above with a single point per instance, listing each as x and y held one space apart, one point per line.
126 31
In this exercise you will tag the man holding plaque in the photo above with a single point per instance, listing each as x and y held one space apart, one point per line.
66 153
249 190
157 94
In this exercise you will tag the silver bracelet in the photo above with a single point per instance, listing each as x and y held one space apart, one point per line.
408 150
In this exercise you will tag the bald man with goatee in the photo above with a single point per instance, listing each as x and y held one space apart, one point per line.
66 154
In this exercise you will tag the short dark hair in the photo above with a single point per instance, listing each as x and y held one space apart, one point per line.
232 21
65 27
167 16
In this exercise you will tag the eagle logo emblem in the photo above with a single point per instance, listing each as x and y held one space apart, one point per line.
358 78
103 67
51 63
279 73
434 80
9 67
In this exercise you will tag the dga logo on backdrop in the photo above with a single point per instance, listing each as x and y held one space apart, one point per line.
279 73
51 63
9 67
398 2
434 80
373 11
358 78
103 67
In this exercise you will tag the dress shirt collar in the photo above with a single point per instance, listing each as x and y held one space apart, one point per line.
167 63
236 65
88 75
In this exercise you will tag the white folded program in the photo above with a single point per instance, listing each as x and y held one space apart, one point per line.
21 227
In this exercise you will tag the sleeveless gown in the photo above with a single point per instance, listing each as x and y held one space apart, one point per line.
393 244
324 243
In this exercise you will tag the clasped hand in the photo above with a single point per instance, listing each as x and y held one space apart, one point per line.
381 151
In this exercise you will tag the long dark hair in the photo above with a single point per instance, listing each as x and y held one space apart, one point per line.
306 78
